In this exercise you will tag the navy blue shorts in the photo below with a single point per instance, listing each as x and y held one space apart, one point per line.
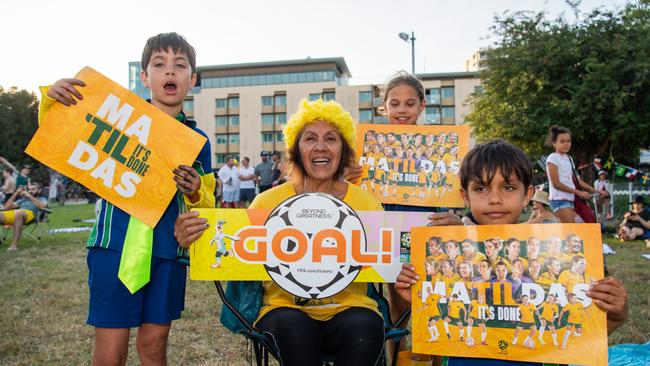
111 305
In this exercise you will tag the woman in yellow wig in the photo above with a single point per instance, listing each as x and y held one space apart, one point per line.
319 141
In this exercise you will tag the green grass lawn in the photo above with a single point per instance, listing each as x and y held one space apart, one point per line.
43 298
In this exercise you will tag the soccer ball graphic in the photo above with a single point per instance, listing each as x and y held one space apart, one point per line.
529 343
469 341
311 213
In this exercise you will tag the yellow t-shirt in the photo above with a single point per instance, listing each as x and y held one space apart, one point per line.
475 310
575 312
549 311
438 257
453 308
450 282
568 279
432 305
322 309
477 258
527 313
546 278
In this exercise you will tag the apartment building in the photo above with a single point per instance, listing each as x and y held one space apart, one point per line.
243 107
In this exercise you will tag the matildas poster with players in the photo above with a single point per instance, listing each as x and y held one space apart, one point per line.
512 292
412 165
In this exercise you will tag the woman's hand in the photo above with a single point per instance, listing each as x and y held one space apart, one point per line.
188 228
406 278
584 195
63 91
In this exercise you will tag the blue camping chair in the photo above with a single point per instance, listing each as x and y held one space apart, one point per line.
263 343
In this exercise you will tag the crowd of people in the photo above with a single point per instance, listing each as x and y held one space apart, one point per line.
238 185
320 157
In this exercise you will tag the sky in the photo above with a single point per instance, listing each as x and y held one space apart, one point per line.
43 41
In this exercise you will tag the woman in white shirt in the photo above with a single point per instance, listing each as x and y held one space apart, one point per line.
559 169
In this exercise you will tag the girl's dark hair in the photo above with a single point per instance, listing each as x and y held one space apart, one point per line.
404 78
298 171
165 41
553 132
492 157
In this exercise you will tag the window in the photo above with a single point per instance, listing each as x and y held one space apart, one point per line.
188 107
448 112
222 139
267 101
221 158
432 116
281 118
365 97
267 119
221 103
221 121
233 120
447 92
233 138
327 96
365 114
281 100
315 96
433 96
279 137
233 102
267 137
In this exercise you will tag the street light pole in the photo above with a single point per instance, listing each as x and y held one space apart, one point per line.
405 37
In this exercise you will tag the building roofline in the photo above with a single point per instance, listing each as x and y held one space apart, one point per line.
340 64
450 75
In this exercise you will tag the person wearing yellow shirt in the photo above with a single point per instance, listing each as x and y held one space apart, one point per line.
432 270
493 247
477 313
575 310
549 310
576 274
470 252
434 249
550 276
513 249
454 309
433 310
554 250
527 313
448 275
422 182
466 273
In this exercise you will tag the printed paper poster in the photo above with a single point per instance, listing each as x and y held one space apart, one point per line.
413 165
513 292
117 145
311 245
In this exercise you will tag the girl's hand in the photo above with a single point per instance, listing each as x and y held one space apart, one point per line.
188 181
406 278
188 228
584 195
64 91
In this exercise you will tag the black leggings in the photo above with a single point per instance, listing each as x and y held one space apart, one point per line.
354 336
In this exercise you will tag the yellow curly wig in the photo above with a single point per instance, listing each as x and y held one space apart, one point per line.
318 110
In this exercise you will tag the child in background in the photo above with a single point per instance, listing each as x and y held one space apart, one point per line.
169 71
496 185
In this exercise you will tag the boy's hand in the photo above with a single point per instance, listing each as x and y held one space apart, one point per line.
188 181
188 228
63 91
610 295
444 219
406 278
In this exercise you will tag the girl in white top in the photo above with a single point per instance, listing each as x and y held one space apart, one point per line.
559 170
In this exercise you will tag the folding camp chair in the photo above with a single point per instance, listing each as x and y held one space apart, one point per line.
263 343
36 229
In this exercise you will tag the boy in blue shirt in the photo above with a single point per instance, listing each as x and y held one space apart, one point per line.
168 70
496 185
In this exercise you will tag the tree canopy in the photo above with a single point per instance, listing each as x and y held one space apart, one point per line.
18 123
591 75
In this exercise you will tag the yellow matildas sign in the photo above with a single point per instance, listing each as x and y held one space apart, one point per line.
118 145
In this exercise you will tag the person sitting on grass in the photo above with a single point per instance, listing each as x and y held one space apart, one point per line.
636 223
496 186
21 208
542 213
